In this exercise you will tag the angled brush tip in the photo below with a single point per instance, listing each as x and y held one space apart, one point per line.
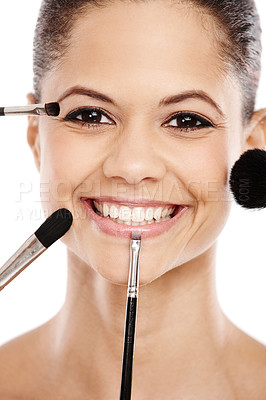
136 236
52 109
54 227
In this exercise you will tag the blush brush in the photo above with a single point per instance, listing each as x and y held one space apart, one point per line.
131 316
248 179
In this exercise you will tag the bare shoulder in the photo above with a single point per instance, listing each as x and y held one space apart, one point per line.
20 363
246 361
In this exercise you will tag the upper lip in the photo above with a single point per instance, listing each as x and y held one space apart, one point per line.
130 202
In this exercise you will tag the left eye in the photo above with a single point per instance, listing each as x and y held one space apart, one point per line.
188 122
90 116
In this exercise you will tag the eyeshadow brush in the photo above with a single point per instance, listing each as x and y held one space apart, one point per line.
131 316
50 109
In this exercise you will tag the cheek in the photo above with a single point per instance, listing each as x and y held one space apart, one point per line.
202 166
66 162
205 175
212 171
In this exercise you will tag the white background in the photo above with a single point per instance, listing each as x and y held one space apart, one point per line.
38 293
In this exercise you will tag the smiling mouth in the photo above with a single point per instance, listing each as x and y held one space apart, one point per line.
134 216
122 218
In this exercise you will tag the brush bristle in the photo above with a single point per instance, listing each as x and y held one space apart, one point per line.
248 179
54 227
136 236
52 109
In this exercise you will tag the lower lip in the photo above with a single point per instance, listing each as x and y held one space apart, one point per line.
125 231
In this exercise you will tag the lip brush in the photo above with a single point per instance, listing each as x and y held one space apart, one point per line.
49 232
131 316
50 109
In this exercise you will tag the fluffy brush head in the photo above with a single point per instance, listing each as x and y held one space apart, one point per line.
52 109
54 227
248 179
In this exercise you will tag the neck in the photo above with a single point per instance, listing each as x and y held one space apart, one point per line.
179 321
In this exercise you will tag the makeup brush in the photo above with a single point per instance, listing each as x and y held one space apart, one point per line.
51 109
248 179
49 232
131 315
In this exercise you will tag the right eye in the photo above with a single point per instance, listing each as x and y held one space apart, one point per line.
90 116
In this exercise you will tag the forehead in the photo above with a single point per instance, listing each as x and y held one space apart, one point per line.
152 44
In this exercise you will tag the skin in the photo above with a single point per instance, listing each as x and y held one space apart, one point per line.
185 346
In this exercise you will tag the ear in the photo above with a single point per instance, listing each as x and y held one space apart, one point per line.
256 131
33 134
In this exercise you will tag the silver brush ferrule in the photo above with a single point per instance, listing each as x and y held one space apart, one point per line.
133 280
24 256
30 110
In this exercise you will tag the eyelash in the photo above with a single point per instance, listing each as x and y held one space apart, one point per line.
193 118
74 114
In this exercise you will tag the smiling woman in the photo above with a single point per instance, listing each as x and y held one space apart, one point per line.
145 140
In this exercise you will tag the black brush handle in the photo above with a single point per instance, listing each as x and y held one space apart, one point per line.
2 111
128 355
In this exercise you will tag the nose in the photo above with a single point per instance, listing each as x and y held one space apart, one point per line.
134 156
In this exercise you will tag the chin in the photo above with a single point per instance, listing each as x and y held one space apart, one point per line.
122 278
113 268
119 274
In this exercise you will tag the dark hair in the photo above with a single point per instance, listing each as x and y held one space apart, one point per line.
239 37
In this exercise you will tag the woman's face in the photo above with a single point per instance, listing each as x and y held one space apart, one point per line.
134 146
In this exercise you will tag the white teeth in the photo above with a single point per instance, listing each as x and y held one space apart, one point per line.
114 212
125 213
135 216
138 214
134 223
164 212
149 214
158 213
105 210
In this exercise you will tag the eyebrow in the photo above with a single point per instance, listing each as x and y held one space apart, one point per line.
86 92
191 94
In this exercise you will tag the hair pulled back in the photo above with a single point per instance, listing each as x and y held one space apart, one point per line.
238 20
